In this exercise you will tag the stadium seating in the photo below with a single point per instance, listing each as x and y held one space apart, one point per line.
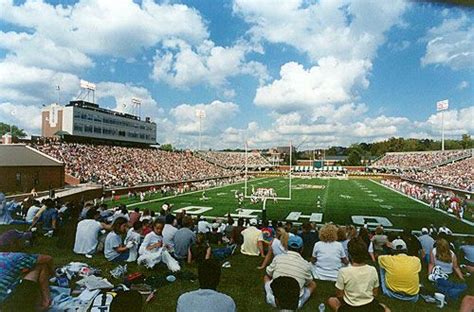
419 160
236 159
126 166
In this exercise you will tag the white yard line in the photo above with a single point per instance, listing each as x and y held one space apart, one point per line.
184 194
422 202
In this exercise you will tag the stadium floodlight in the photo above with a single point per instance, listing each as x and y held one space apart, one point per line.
87 85
200 113
441 106
136 104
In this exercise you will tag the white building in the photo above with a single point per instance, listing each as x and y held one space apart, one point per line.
83 119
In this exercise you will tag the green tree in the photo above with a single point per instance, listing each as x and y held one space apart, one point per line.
354 158
166 147
466 141
16 132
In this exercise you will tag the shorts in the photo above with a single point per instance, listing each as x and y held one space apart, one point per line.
16 301
373 306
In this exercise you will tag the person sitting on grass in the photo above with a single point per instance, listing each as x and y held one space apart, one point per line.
24 280
134 236
467 250
328 254
88 233
292 265
444 258
399 273
200 250
287 293
357 285
114 250
184 238
252 245
206 298
279 245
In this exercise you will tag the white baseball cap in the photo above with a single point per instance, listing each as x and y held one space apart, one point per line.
399 244
424 230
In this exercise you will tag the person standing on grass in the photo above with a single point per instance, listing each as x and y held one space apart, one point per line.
206 298
357 285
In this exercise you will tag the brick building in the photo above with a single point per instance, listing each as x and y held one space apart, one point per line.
23 168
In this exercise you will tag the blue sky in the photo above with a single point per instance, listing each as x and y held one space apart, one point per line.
324 72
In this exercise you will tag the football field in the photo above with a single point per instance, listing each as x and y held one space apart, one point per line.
353 201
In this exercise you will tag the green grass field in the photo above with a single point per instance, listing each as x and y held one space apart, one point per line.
338 201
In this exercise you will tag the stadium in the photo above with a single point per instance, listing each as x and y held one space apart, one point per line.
311 198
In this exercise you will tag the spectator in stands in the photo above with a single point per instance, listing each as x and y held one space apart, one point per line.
279 245
88 232
184 238
114 250
252 245
200 250
427 243
286 291
399 273
328 254
310 237
357 285
444 258
206 298
292 265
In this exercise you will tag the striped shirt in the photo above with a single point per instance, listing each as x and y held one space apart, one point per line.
293 265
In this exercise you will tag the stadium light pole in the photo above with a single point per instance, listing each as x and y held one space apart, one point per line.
200 113
441 106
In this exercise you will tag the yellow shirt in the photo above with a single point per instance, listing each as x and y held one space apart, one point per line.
401 273
358 283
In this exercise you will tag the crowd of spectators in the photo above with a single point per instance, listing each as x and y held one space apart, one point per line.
415 160
127 166
236 160
359 261
458 175
436 198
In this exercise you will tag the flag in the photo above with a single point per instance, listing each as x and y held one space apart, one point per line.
442 105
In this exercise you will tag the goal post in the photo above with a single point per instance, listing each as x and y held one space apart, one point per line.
246 178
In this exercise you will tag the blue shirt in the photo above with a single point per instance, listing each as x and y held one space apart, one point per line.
205 300
47 218
468 252
12 265
112 241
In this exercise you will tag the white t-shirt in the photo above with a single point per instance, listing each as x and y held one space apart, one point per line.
277 247
31 213
251 237
150 239
112 241
203 226
328 260
169 232
87 236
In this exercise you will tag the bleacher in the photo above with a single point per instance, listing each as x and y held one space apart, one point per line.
419 160
236 160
